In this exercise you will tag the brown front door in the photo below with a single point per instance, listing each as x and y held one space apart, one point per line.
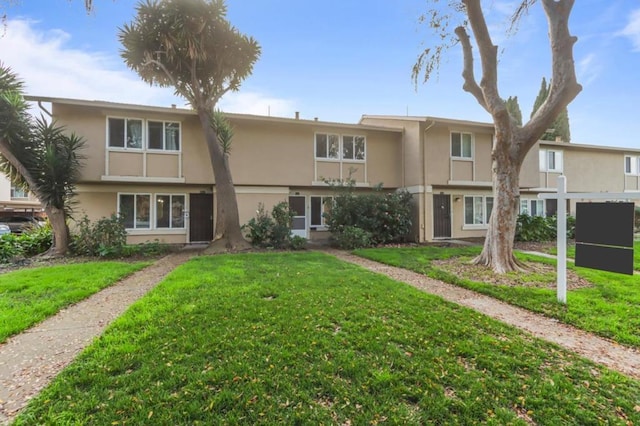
200 217
441 216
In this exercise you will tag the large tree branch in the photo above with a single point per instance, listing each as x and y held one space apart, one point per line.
470 85
564 86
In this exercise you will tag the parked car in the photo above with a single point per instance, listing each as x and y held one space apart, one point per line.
18 224
4 229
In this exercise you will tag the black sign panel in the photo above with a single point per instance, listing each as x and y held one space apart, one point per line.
604 236
605 258
609 224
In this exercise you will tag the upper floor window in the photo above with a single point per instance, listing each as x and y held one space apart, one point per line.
335 147
461 145
163 135
17 192
631 165
353 147
125 133
477 210
135 133
550 161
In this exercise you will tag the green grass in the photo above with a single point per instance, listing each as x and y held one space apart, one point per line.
571 253
610 308
30 295
302 338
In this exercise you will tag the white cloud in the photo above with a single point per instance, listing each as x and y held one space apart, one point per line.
632 30
48 67
588 69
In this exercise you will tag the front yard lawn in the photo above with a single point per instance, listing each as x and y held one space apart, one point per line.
30 295
571 253
303 338
608 307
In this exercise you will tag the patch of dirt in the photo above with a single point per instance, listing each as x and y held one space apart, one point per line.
538 275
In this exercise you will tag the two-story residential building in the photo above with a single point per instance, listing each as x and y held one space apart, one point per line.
150 164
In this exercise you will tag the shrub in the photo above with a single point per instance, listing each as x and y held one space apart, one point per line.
36 239
298 243
538 228
351 237
9 248
272 230
105 237
385 217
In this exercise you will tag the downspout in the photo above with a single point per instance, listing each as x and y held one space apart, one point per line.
424 174
46 111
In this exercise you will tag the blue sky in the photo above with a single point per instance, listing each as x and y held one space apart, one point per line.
339 59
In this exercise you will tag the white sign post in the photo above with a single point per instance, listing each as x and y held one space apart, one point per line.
562 196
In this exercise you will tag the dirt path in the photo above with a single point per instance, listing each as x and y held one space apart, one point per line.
30 360
616 357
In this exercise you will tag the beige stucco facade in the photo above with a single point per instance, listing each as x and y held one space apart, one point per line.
138 163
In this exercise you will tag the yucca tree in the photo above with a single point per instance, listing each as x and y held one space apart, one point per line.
39 156
190 46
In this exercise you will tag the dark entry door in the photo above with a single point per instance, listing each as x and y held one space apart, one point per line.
201 217
441 216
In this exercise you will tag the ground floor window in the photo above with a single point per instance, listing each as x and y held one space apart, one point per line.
477 209
135 210
319 206
170 211
138 212
532 207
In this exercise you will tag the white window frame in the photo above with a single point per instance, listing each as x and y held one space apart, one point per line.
354 139
171 217
124 142
471 146
544 160
634 163
485 214
164 135
327 157
144 146
340 157
18 193
322 226
528 203
135 207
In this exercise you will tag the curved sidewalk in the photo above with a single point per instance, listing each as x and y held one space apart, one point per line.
30 360
616 357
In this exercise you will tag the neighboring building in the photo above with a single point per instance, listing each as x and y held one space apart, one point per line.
151 165
15 200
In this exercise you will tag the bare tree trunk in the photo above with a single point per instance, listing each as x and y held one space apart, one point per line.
497 252
61 237
227 229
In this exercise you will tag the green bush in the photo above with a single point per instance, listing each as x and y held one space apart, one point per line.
10 248
298 243
385 217
36 239
351 237
538 228
272 230
106 237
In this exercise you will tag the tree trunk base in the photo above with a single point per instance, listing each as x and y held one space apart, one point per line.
500 266
227 245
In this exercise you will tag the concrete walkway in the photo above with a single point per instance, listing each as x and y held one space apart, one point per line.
30 360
